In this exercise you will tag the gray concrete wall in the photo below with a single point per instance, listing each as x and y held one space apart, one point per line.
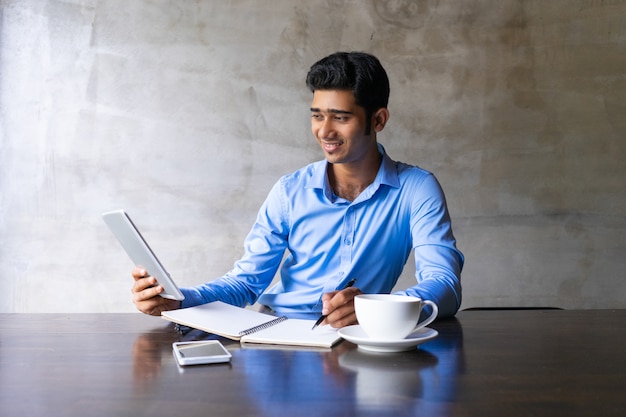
186 112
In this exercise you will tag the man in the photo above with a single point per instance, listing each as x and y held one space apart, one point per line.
356 214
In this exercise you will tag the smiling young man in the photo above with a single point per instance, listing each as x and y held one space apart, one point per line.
355 214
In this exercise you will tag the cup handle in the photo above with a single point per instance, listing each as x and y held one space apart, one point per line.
430 318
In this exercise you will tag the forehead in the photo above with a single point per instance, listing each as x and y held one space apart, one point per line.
324 100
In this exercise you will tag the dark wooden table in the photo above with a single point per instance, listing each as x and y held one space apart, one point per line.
484 363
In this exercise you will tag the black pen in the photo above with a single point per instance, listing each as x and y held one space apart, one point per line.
323 317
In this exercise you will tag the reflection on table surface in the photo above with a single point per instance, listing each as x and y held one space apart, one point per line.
364 381
510 362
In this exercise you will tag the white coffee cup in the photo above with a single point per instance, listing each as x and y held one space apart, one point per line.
391 316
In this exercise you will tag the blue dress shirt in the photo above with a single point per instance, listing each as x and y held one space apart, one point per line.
330 240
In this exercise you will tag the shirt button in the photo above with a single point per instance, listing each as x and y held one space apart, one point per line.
347 242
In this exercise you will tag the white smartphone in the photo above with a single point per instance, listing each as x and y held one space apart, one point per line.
200 352
139 252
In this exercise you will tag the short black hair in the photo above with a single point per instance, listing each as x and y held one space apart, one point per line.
359 72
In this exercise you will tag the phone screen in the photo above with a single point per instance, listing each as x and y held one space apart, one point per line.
200 349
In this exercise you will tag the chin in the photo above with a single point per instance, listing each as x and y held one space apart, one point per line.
333 159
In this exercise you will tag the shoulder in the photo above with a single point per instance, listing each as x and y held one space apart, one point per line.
418 185
411 170
413 174
309 176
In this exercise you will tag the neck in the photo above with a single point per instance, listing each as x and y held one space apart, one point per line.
348 180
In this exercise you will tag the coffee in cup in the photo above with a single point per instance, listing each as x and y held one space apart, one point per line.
391 316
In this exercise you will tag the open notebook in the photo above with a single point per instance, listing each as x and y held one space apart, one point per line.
250 326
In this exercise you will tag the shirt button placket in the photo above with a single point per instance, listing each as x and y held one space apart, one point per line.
347 237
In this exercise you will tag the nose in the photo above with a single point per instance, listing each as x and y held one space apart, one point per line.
325 129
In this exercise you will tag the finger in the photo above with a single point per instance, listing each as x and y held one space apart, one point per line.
351 292
335 299
342 316
148 292
147 299
141 284
341 308
327 305
139 272
328 296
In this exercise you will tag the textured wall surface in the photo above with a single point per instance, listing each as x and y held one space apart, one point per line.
186 112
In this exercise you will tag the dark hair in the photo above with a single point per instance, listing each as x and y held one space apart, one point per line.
358 72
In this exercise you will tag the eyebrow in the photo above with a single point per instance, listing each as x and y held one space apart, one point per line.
334 111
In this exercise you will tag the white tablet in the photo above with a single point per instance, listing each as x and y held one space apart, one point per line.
139 252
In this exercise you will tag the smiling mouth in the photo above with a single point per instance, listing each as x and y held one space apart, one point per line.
330 146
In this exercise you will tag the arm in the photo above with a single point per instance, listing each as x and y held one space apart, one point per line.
264 248
438 272
438 263
263 252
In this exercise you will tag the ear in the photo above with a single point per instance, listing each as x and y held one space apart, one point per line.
379 119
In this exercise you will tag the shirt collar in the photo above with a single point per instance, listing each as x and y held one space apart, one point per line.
387 175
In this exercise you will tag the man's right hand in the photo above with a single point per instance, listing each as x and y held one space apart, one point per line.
146 294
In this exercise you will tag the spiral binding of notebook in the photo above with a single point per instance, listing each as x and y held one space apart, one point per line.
262 326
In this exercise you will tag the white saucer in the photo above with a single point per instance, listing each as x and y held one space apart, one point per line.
356 335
